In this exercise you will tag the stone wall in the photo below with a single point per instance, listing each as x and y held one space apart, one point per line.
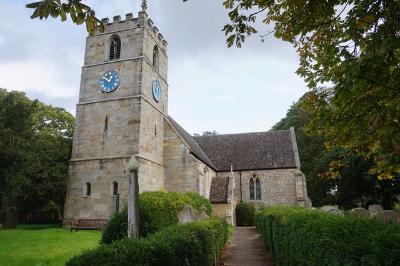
183 172
278 186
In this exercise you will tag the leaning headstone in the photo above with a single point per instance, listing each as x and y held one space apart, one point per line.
203 214
186 215
390 216
359 212
329 208
11 218
375 209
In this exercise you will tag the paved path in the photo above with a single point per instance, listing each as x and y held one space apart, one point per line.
246 249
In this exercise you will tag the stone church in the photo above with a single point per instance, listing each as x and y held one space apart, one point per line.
123 112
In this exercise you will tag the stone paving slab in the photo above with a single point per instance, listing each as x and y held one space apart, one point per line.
246 249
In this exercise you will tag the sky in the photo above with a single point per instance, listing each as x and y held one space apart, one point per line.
211 87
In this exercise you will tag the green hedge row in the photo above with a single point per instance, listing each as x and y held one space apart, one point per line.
157 210
245 214
198 243
298 236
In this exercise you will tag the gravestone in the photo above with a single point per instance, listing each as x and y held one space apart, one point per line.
375 209
1 226
186 215
203 214
360 212
331 209
390 216
11 218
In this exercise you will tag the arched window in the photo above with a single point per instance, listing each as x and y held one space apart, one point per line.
88 189
258 189
251 187
115 188
255 188
115 47
155 56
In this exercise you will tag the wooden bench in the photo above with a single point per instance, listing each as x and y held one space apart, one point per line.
88 224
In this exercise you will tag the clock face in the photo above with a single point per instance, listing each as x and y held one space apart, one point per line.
109 81
156 90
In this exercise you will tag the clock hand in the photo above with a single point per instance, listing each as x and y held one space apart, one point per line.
108 80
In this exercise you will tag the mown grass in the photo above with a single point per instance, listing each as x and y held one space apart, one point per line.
43 245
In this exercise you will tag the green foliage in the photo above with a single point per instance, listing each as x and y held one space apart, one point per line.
351 45
35 147
78 12
245 214
16 134
198 202
298 236
349 184
157 210
397 207
198 243
117 227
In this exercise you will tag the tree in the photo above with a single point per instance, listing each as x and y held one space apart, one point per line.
35 147
333 175
48 172
16 112
352 47
206 133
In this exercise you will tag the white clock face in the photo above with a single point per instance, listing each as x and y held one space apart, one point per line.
109 81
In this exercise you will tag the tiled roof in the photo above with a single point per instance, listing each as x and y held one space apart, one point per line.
219 189
249 151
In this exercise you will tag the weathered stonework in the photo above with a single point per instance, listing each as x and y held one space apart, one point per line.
112 127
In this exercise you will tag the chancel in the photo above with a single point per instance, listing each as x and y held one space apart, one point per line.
123 113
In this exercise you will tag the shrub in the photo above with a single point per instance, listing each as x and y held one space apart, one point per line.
157 210
117 227
198 243
298 236
245 214
397 207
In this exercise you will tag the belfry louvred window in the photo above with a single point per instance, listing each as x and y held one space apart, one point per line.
115 47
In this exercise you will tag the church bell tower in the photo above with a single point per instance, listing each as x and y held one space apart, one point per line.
123 100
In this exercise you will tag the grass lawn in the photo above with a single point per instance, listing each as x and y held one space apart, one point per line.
36 245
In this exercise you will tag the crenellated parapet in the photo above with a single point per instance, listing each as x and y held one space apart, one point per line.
130 22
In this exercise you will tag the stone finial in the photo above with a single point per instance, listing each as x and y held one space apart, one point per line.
144 5
133 164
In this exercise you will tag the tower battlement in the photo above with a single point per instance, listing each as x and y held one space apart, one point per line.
131 22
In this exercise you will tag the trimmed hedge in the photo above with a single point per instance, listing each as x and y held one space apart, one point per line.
157 210
298 236
198 243
245 214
